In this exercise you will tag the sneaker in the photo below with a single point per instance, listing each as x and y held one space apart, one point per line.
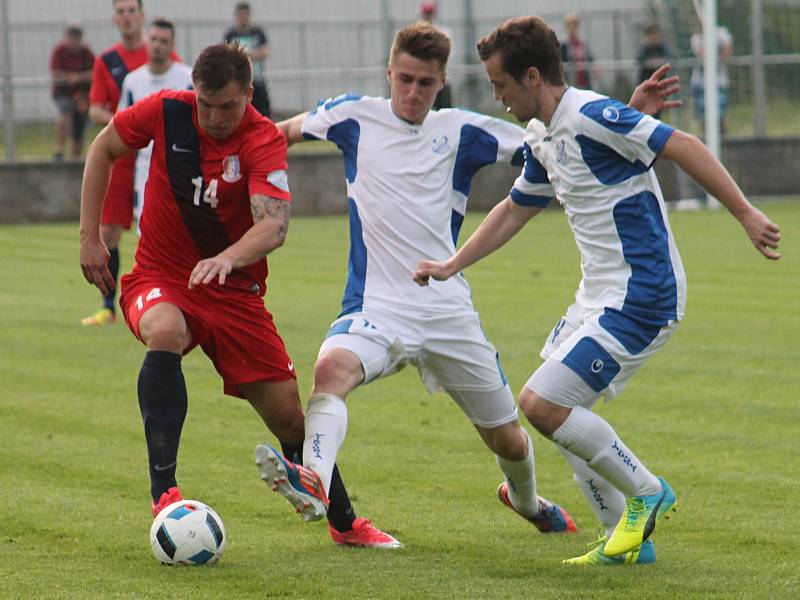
643 555
104 316
639 520
365 535
551 518
171 496
298 484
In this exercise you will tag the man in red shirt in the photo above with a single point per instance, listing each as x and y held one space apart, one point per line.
217 203
71 66
110 69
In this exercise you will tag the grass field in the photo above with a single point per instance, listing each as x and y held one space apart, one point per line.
715 412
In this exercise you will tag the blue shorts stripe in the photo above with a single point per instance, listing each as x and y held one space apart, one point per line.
592 363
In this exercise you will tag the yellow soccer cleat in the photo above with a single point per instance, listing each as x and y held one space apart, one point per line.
639 520
643 555
104 316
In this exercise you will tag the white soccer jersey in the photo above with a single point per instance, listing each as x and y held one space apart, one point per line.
595 157
139 84
407 188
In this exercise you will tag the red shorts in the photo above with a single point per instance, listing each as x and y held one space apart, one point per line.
232 326
118 204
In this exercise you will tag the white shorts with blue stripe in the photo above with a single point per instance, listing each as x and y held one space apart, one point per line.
450 351
589 354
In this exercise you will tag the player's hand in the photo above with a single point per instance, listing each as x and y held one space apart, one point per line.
652 95
762 232
439 270
94 264
204 272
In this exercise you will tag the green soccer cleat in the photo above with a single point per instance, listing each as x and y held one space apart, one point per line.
639 520
643 555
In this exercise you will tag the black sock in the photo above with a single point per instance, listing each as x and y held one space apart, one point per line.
163 403
340 511
113 266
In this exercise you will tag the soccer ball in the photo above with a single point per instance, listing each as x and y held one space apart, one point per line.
188 533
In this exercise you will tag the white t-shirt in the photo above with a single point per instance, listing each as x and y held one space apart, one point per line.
595 157
724 38
139 84
407 187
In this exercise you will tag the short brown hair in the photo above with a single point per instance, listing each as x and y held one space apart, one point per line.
525 42
422 41
220 64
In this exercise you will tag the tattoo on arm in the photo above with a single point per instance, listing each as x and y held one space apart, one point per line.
266 207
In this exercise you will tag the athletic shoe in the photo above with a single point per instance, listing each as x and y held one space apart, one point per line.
639 520
173 494
643 555
365 535
298 484
104 316
551 518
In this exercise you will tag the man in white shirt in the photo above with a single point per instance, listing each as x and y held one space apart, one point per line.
408 172
160 73
594 155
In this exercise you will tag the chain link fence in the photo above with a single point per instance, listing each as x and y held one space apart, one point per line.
321 48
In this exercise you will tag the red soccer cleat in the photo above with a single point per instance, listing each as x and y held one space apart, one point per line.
171 496
551 518
365 535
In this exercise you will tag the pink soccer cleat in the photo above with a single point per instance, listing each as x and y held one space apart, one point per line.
365 535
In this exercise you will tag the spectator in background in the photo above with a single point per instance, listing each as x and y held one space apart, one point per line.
575 54
444 99
653 53
71 64
725 49
161 72
255 42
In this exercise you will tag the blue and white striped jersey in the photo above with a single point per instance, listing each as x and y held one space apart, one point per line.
595 157
407 188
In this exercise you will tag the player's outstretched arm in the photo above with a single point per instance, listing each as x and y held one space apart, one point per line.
292 128
652 95
698 162
500 225
103 151
271 223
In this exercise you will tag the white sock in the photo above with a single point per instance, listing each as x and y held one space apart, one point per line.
591 438
606 501
326 426
521 478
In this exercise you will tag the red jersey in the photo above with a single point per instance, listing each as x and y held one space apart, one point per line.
65 59
110 69
198 188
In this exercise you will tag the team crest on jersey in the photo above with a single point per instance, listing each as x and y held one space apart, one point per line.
230 169
280 179
440 145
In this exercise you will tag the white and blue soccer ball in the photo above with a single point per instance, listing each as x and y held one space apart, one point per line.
188 533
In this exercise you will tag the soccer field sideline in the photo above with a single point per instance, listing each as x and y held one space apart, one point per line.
715 412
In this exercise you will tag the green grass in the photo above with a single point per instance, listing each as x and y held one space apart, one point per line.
715 412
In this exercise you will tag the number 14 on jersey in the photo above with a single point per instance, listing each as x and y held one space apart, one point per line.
210 196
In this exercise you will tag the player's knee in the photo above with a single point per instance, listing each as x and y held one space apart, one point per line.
160 330
337 371
545 416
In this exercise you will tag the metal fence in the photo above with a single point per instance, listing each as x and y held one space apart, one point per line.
319 49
